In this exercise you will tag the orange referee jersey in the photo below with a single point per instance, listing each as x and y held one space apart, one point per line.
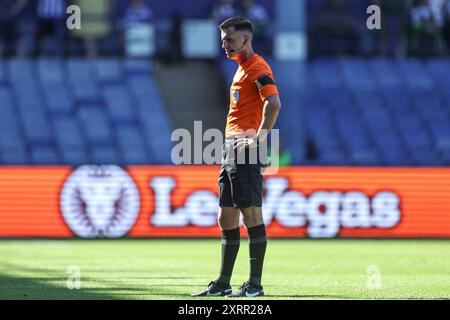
252 84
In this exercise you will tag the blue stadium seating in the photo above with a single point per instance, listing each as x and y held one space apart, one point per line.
136 67
96 125
68 133
12 143
70 140
79 111
82 81
374 112
50 70
108 71
3 75
118 104
378 111
132 145
44 154
36 125
105 154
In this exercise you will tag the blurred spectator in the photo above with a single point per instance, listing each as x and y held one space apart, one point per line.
335 30
223 9
437 10
256 13
9 9
426 26
261 23
96 23
51 26
138 29
446 26
392 38
138 12
220 11
175 54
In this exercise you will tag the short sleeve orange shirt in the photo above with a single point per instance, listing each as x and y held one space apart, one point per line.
247 96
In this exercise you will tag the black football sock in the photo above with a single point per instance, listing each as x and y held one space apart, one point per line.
257 245
230 247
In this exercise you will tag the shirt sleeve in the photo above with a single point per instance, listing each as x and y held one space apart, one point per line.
266 86
265 82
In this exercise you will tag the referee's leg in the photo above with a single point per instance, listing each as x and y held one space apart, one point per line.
228 220
253 220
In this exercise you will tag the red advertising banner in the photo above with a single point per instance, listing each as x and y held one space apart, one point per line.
181 201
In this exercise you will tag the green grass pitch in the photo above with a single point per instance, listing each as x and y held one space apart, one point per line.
172 269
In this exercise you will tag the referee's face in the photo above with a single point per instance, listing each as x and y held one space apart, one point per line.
233 42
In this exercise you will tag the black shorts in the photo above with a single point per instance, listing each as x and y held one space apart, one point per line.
240 185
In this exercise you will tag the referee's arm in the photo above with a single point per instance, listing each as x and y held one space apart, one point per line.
272 106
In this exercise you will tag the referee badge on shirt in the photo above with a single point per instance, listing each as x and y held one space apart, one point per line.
235 94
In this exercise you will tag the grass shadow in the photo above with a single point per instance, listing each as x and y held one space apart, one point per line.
341 297
16 288
309 296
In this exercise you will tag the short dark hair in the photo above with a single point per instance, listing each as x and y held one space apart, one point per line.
239 24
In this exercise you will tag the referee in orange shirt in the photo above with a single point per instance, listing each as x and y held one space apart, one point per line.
254 107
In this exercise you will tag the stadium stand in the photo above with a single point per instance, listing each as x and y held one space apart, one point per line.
78 111
357 112
376 111
386 112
